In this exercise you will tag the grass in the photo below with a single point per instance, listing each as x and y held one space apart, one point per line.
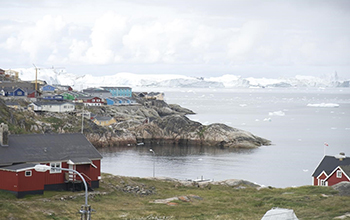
214 202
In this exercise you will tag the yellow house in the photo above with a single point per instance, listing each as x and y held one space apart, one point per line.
104 121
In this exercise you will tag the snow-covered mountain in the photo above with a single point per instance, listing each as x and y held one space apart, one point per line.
54 76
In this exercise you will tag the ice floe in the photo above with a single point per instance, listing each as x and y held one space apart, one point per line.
277 113
324 105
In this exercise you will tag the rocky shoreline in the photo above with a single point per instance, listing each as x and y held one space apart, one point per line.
154 122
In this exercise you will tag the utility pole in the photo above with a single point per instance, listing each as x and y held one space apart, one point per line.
36 80
82 120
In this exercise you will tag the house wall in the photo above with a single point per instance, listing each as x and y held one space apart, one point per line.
95 173
332 180
21 185
9 180
67 107
55 178
30 183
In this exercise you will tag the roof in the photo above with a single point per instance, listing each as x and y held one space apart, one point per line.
18 167
329 163
103 118
109 87
33 148
346 169
51 103
95 91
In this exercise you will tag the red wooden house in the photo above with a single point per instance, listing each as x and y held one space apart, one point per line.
332 170
20 153
92 101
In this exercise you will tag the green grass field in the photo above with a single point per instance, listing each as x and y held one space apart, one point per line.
210 202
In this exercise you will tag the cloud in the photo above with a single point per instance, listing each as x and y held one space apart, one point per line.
106 39
206 35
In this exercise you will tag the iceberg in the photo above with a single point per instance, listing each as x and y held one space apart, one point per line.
79 82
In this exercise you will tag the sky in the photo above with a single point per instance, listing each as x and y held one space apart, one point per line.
249 38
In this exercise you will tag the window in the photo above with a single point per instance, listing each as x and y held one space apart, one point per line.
55 165
28 173
322 183
339 174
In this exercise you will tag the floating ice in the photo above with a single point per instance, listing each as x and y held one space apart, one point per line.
277 113
324 105
243 105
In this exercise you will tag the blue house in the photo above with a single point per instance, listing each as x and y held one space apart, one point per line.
119 91
120 101
110 101
17 92
53 97
48 88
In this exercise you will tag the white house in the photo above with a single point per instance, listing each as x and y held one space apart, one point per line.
52 106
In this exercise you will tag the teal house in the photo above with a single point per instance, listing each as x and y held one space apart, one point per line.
119 91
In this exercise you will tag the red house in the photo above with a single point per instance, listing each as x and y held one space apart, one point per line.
92 101
332 170
20 153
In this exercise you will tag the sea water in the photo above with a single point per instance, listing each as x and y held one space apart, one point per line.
298 121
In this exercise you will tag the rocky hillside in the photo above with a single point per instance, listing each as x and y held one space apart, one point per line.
150 122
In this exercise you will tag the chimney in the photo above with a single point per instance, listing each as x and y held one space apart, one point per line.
341 156
4 134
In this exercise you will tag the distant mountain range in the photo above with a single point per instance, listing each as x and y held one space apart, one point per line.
55 76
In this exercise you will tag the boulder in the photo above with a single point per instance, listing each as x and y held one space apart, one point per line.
343 188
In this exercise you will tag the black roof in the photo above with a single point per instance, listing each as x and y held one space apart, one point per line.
34 148
329 163
103 118
118 87
17 167
346 169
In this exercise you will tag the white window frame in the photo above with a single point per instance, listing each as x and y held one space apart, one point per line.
28 173
55 164
339 174
323 182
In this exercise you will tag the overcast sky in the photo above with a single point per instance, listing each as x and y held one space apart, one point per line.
280 38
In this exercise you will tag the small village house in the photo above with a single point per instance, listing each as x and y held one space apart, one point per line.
32 94
20 153
92 101
72 95
332 170
51 106
120 101
14 92
103 120
48 88
52 97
